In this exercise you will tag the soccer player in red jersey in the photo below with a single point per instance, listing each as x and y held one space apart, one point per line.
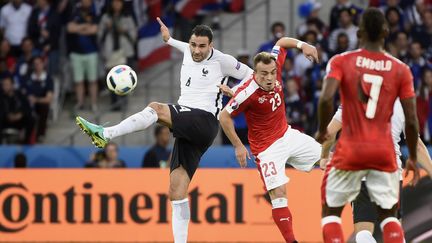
369 80
272 141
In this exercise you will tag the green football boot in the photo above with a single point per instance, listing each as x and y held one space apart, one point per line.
94 131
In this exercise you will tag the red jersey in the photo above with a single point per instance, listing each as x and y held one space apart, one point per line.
366 141
264 110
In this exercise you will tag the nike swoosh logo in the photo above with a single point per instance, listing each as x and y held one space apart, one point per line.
97 135
284 219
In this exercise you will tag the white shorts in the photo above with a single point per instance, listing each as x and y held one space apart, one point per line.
294 148
342 186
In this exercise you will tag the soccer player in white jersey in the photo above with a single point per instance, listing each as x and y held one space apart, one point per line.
364 211
193 121
272 141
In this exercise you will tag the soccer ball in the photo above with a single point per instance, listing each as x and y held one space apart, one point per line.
121 79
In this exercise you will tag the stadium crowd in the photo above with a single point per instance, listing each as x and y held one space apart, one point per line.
98 34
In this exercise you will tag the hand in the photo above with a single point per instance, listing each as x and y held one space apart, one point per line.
321 137
164 30
323 163
310 52
411 165
226 90
241 153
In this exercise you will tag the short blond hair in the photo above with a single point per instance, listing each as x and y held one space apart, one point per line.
263 57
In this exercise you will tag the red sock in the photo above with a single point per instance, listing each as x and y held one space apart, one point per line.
283 219
332 230
392 231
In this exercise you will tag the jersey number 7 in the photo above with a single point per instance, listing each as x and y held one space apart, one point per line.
376 81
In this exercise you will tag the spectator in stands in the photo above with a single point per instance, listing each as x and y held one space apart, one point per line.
14 17
117 37
346 26
83 46
96 159
107 158
40 90
395 4
423 33
313 21
9 61
416 61
24 63
413 11
278 31
394 22
288 69
112 160
294 106
20 160
401 44
342 44
335 12
44 29
159 154
15 111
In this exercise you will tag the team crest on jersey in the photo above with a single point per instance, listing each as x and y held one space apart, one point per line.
204 72
262 99
238 66
234 105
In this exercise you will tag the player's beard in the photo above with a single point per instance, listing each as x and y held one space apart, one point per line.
198 57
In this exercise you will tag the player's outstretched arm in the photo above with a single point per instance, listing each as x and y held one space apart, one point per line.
164 30
423 157
309 51
227 125
411 133
166 36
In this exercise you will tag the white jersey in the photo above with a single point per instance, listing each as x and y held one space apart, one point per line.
397 126
199 80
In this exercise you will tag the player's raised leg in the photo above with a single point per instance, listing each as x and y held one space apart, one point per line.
154 112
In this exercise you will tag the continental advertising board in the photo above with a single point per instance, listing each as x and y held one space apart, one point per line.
126 205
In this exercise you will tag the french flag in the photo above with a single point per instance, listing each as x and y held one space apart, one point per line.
190 8
151 48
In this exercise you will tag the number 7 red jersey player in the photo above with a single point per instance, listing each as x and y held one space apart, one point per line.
369 80
273 142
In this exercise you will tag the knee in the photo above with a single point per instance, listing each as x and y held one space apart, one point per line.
175 192
278 192
158 107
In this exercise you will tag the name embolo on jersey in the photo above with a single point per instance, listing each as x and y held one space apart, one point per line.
199 80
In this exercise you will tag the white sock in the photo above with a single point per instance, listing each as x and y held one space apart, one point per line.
364 236
279 203
137 122
180 220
